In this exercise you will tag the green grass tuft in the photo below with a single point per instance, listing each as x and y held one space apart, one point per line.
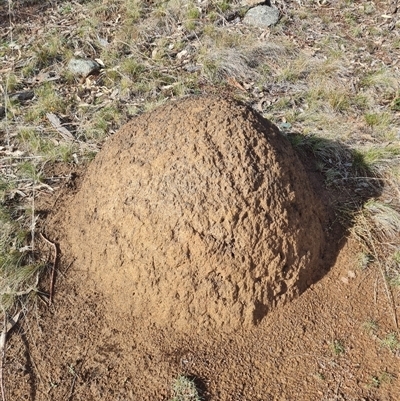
338 348
391 341
381 379
18 270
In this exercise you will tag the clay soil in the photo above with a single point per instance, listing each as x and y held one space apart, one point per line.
318 346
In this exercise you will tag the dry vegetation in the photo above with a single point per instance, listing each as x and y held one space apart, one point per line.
327 74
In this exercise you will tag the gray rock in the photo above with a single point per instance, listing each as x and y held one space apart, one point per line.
22 96
192 67
262 16
83 67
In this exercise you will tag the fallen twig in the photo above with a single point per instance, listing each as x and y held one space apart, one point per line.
56 123
53 269
394 13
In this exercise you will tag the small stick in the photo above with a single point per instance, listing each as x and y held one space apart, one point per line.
53 269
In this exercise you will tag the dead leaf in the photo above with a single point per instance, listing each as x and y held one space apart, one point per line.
56 123
232 81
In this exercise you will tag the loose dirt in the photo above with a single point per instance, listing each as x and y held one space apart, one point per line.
193 228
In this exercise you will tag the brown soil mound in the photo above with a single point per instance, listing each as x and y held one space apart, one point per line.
198 214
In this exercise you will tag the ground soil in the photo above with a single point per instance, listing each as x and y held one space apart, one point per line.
315 347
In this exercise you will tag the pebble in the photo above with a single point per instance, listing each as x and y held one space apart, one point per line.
262 16
22 96
83 67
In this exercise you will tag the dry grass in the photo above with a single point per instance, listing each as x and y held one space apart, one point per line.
18 269
184 389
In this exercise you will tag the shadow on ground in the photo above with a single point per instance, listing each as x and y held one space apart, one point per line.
342 181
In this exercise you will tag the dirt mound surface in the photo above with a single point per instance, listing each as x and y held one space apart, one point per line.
197 215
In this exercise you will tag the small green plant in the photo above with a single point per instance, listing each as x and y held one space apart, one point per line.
376 160
223 5
396 257
132 67
369 8
376 222
51 49
338 347
391 341
364 260
48 101
294 71
319 376
65 9
19 272
376 119
184 389
392 269
381 379
339 100
371 327
133 10
30 171
382 80
396 104
12 82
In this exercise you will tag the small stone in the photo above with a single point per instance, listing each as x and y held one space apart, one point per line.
103 41
262 16
181 54
83 67
351 274
192 67
22 96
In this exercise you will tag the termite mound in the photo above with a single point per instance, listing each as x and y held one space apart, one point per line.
197 215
